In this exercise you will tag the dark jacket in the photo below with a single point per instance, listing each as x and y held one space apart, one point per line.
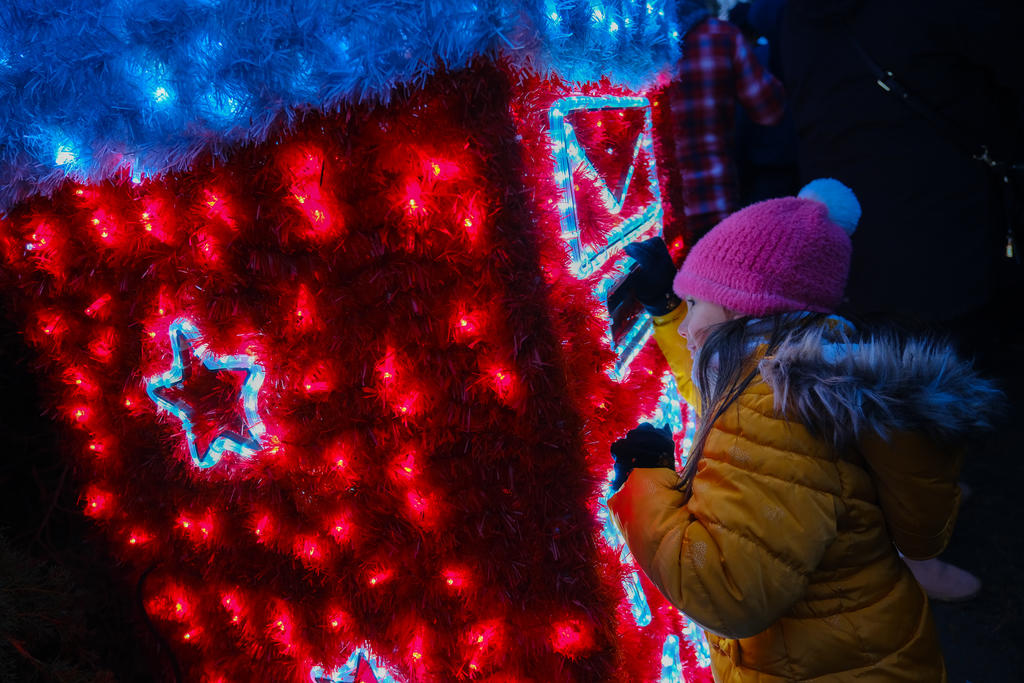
933 225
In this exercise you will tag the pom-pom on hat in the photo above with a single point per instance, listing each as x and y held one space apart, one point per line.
787 254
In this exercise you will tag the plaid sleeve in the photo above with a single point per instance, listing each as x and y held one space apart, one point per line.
703 100
760 92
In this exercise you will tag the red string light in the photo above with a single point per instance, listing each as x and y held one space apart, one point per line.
401 299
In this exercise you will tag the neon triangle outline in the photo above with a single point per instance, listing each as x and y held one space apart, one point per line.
612 203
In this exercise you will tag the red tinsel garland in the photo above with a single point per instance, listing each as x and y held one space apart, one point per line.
436 405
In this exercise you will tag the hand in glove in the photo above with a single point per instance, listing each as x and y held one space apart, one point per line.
652 279
644 446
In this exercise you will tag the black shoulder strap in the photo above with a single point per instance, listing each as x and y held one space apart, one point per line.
888 82
1002 171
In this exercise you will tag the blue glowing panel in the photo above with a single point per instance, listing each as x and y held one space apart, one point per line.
183 333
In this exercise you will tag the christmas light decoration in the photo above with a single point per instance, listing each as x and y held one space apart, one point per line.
183 333
174 91
573 159
359 668
417 384
570 159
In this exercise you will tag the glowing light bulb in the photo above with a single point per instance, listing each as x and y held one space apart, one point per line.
65 155
380 577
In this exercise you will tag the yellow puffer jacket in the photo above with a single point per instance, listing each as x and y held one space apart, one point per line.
785 551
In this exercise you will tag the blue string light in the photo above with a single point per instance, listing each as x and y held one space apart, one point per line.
631 583
569 159
696 636
346 673
585 260
671 666
182 333
668 412
65 155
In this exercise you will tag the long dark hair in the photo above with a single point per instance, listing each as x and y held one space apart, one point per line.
726 366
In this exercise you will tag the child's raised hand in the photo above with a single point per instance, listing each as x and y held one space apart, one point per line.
643 446
651 280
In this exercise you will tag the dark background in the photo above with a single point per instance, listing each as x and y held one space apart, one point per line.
982 638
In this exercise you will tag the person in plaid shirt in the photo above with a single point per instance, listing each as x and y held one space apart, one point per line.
717 69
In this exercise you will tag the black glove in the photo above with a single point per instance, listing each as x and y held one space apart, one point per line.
652 279
644 446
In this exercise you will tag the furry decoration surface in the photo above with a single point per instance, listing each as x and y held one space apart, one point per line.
90 87
435 415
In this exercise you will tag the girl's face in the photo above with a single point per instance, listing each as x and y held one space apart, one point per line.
701 316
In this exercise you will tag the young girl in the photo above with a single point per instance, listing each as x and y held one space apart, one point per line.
821 450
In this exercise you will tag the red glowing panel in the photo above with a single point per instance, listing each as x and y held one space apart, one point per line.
429 361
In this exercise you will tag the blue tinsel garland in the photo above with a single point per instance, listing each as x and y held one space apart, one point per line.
91 86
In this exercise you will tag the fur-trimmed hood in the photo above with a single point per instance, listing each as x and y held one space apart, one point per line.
841 386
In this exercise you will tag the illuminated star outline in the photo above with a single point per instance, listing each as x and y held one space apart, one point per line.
181 332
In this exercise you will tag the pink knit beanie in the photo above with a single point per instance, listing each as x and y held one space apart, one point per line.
788 254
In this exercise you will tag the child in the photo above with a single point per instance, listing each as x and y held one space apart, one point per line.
821 451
